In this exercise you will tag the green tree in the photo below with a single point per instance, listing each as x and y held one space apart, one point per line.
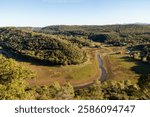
12 80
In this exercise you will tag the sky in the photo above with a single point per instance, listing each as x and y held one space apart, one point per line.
40 13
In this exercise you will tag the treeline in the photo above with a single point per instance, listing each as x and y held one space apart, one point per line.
110 34
133 28
13 86
141 52
60 50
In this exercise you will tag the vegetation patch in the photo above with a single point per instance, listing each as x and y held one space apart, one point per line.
47 48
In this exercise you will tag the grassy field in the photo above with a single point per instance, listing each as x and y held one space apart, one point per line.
75 74
122 69
120 66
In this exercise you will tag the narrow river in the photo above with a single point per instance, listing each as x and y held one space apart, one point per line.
103 71
102 78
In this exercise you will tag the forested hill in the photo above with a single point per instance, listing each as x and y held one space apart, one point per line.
133 28
130 34
44 47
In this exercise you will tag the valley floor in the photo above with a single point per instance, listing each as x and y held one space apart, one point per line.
78 75
117 63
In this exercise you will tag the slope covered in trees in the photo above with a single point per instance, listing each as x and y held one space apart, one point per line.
50 48
130 34
141 52
12 80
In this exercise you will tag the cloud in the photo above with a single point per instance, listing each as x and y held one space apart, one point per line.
62 1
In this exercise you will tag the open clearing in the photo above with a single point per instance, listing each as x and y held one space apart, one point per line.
75 74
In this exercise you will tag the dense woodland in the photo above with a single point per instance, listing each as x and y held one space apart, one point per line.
60 50
110 34
140 52
113 35
12 80
63 45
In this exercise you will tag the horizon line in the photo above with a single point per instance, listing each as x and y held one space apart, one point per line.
138 23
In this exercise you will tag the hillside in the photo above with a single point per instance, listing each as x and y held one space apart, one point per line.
48 48
13 83
129 34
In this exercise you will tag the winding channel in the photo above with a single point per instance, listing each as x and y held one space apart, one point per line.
102 77
103 71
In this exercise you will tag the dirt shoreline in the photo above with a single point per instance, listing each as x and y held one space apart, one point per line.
102 77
